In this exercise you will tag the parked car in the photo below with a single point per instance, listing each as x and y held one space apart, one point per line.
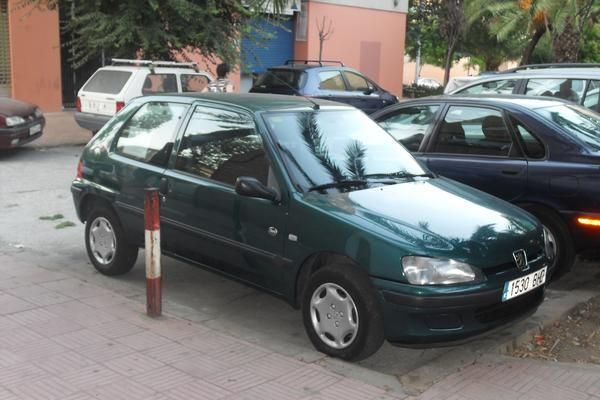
110 88
578 83
20 123
541 154
429 82
312 201
329 82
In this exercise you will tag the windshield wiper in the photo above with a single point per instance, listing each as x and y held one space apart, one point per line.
339 184
400 175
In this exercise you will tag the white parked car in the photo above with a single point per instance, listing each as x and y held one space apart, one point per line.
429 82
111 87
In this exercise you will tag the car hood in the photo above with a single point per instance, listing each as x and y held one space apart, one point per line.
10 107
439 217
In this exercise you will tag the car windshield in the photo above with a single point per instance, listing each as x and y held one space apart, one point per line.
325 147
577 121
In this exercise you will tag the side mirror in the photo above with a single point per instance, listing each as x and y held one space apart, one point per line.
252 187
369 91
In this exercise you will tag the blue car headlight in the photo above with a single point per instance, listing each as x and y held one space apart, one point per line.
439 271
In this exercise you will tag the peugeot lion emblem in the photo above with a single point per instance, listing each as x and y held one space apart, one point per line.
521 259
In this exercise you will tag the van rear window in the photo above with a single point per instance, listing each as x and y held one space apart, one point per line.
107 81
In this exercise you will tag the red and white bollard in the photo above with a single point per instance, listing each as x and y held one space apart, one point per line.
153 278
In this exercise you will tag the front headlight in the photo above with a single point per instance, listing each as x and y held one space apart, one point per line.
439 271
13 121
38 113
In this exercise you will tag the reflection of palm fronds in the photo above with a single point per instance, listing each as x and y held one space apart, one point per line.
355 156
314 140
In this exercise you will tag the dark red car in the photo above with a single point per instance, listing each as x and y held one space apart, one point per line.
20 123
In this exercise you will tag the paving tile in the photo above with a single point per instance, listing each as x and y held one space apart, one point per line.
7 395
105 301
238 354
9 357
42 348
310 378
548 391
477 390
10 304
143 340
45 389
55 327
124 389
133 364
270 391
15 375
274 365
171 353
209 342
64 363
90 377
41 275
118 328
164 378
7 324
177 329
201 365
198 390
79 338
38 295
235 379
75 288
13 282
17 337
81 313
33 316
105 351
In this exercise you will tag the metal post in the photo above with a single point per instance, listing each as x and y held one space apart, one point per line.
153 277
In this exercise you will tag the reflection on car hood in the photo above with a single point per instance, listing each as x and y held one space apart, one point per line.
10 107
439 217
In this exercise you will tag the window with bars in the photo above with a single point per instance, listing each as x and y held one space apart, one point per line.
5 87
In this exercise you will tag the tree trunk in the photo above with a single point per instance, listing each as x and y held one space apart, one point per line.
565 45
448 61
537 35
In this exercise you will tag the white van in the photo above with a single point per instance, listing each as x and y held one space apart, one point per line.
111 87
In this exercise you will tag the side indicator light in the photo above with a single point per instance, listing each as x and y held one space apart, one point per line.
589 221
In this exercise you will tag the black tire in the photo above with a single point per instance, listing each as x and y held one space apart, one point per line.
564 249
124 254
369 334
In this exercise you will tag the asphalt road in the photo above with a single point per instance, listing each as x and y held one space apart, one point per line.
35 184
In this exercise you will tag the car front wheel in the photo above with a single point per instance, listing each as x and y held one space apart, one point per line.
106 245
559 240
341 313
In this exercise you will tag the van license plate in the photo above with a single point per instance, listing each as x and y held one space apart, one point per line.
35 129
524 284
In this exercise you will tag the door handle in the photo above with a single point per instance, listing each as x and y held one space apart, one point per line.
510 172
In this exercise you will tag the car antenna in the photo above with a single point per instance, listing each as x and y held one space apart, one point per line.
315 107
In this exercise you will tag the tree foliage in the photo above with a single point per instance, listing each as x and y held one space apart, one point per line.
158 29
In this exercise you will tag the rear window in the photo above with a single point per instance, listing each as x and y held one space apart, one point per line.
107 81
577 121
281 78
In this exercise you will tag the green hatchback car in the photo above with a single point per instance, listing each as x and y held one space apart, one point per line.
314 202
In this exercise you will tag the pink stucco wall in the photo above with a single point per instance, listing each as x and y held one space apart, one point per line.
35 56
371 41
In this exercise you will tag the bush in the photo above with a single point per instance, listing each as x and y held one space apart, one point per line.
414 91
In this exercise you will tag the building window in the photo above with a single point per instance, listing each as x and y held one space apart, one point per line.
5 89
302 22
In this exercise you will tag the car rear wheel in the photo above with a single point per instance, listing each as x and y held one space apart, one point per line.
106 245
560 241
341 313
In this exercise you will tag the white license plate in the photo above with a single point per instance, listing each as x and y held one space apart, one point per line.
524 284
35 129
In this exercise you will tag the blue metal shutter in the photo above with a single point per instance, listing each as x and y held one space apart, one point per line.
269 46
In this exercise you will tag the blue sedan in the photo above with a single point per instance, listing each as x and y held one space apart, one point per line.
539 153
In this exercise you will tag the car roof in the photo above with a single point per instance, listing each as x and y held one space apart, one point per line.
257 102
530 102
162 70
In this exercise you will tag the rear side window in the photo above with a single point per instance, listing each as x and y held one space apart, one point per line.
107 81
531 144
473 131
281 78
159 83
504 86
408 126
331 80
193 83
592 96
566 89
357 83
148 136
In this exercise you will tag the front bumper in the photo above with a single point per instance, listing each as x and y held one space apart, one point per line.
430 321
19 135
91 122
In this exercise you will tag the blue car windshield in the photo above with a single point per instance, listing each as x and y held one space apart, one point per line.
578 122
328 146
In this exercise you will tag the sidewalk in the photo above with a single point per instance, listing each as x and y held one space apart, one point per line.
63 338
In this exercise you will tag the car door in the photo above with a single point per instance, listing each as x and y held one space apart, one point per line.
236 235
473 145
363 95
140 154
332 86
